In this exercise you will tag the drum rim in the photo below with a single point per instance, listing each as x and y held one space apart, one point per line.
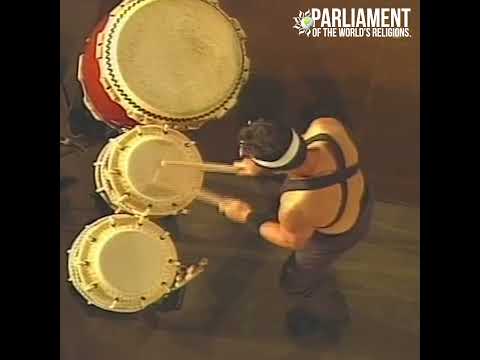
103 185
76 277
100 187
121 186
139 113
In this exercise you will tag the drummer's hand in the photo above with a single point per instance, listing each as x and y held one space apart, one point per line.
235 209
247 168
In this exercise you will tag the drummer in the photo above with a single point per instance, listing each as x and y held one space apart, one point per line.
324 205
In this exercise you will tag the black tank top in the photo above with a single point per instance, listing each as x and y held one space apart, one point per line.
339 177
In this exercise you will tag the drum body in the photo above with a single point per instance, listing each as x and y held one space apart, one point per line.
121 263
180 62
130 178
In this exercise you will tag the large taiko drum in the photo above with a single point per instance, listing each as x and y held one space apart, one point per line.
130 177
181 62
123 263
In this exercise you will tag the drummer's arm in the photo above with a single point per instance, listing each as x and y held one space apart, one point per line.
291 231
248 168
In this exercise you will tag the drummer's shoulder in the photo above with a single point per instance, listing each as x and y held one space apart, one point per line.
327 121
323 124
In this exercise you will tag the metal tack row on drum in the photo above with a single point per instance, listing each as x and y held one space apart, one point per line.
181 62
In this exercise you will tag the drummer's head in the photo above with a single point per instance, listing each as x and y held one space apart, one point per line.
272 145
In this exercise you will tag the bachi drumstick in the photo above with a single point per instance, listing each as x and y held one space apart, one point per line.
206 167
210 198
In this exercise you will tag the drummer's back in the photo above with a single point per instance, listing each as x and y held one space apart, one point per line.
321 206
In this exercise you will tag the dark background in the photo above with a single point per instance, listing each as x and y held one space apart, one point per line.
372 84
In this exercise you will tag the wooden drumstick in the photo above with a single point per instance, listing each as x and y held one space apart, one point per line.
210 198
206 167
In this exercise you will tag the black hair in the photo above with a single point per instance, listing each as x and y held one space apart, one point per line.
266 140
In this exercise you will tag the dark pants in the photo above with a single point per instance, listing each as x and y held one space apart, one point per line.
303 271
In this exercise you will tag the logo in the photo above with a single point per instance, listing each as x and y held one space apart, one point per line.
304 23
354 22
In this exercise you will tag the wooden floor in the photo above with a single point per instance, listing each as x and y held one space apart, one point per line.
235 309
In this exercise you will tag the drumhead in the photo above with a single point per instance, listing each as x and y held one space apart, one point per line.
121 265
137 176
174 60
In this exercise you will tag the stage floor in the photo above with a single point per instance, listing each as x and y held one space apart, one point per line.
235 309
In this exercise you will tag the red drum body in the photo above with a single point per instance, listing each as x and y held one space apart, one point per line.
95 98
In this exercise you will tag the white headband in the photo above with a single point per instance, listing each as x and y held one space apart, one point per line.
285 158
